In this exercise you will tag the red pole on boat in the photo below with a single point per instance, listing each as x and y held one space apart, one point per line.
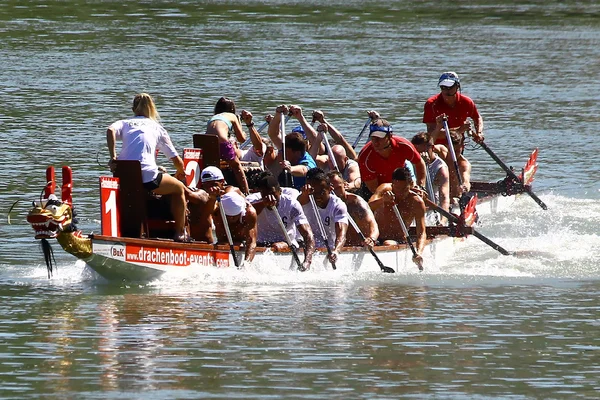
50 183
67 185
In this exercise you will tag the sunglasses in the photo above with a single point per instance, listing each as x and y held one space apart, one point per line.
447 88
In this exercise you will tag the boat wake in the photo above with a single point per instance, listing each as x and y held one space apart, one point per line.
554 246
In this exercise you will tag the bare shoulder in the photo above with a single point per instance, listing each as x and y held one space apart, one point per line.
250 213
384 187
235 189
357 206
416 200
353 200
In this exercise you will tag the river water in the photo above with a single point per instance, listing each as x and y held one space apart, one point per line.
482 326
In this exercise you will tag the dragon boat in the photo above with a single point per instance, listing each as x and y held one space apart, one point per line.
131 244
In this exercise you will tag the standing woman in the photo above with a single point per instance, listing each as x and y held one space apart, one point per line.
141 135
221 124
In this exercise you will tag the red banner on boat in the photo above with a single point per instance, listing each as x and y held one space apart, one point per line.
109 206
175 257
192 165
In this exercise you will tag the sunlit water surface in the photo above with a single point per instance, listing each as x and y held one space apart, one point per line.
481 326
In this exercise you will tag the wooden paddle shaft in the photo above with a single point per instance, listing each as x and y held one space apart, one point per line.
228 232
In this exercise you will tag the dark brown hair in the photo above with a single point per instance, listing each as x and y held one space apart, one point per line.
225 104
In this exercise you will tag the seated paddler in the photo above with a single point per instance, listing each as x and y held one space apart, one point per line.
410 205
240 214
327 208
270 200
294 158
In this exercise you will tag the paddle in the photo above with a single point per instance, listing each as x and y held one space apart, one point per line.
330 152
288 181
362 131
511 173
288 240
429 186
321 227
385 269
410 244
228 232
452 153
456 220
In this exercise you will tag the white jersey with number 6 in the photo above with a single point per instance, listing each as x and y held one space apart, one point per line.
291 213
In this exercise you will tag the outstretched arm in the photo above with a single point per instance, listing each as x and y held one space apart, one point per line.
442 181
311 134
251 233
340 236
309 244
420 223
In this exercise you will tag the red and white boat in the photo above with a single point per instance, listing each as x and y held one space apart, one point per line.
130 246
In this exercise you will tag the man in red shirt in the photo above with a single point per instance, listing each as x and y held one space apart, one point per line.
455 106
386 152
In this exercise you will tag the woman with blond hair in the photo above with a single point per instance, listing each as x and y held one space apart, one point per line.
141 135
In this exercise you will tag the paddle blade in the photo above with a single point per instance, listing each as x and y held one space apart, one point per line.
387 270
469 215
530 169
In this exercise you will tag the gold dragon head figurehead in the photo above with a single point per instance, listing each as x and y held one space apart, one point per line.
49 217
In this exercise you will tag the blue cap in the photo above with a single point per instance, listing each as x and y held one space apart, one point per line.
380 131
300 130
448 79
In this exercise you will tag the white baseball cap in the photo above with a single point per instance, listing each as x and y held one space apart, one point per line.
233 204
209 174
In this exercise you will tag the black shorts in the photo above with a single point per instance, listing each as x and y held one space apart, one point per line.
154 184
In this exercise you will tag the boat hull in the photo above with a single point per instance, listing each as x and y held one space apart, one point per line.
124 259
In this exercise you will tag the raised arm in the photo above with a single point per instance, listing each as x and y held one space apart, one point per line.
311 134
273 131
254 135
237 129
336 135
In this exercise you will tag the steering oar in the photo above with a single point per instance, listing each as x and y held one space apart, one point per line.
456 220
512 174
